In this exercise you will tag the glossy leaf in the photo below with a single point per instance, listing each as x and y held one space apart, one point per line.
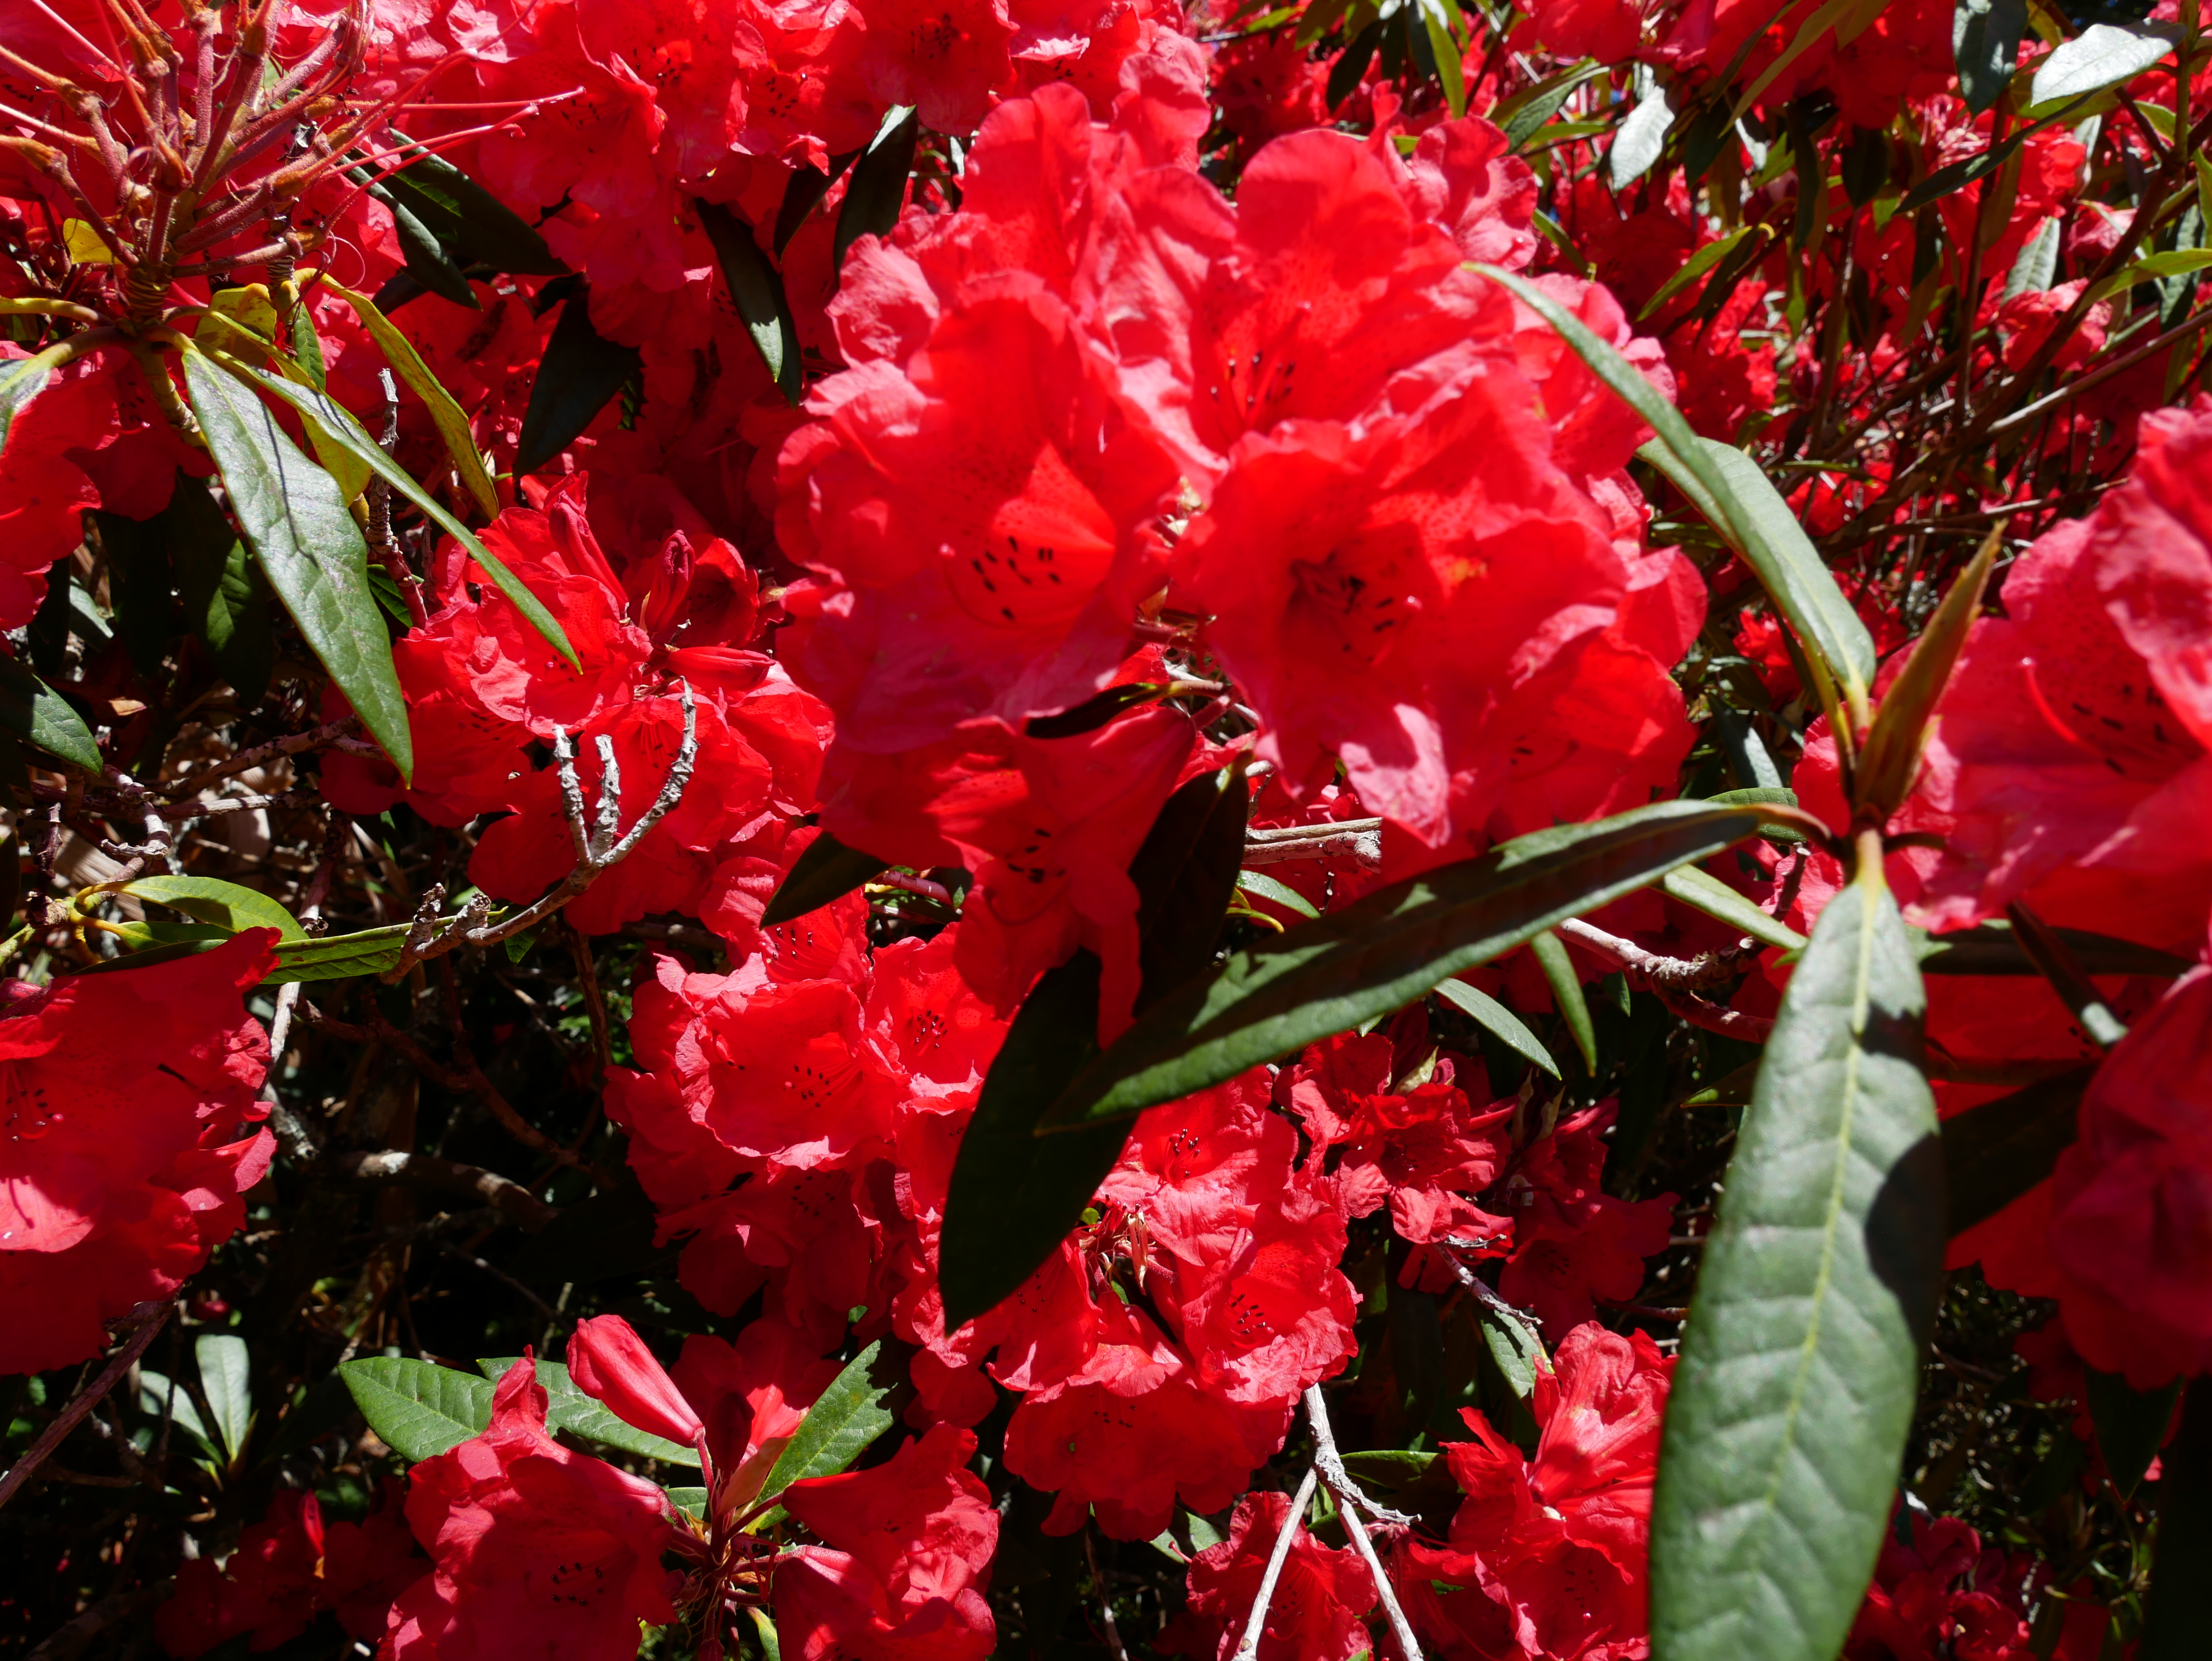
468 219
1957 175
581 371
1995 1153
848 1416
1551 954
2131 1424
2103 55
567 1407
1699 263
227 1383
1891 759
1437 17
826 870
23 379
1985 45
1642 136
33 712
757 290
1992 948
1725 485
1095 711
1259 885
161 1395
339 957
803 193
418 1408
339 422
429 262
877 192
451 421
1186 873
1524 114
212 900
1800 1357
1709 894
2048 952
1389 948
225 600
1500 1022
308 546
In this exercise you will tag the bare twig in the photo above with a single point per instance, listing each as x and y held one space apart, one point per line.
1678 974
1114 1645
1350 1501
1248 1647
150 1316
330 733
1355 839
470 1182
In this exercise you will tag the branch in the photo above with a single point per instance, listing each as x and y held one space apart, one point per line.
1666 973
467 1182
150 1318
1356 839
1248 1647
1350 1501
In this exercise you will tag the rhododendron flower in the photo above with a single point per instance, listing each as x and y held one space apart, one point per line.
1572 1242
2131 1204
1315 1613
1549 1554
1942 1594
535 1547
131 1102
289 1567
904 1563
611 1364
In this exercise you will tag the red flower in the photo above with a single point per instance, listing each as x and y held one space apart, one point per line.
2131 1206
1551 1552
611 1364
1315 1613
1942 1595
942 56
905 1560
1572 1242
289 1567
752 1394
130 1101
536 1549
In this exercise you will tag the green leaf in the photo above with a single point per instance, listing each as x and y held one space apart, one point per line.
1522 114
2131 1424
1891 759
1390 947
693 1501
23 379
826 870
838 1428
1996 1152
1014 1194
1508 1027
2067 977
1551 955
452 422
757 290
1992 948
1515 1349
2103 55
1277 893
2035 267
139 589
1437 23
1699 263
581 371
1709 894
158 1394
2178 1616
468 219
803 193
1985 44
1186 873
226 603
1958 174
44 719
344 430
428 261
309 548
1389 1468
1095 711
567 1407
877 193
1800 1356
421 1410
1727 486
2173 262
225 1380
212 900
1642 136
339 957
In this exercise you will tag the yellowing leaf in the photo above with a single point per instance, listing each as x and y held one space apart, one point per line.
83 244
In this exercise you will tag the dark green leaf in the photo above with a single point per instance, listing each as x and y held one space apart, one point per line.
1186 873
1551 954
343 429
757 290
419 1410
2177 1620
582 370
2131 1424
1985 42
1507 1027
877 193
827 870
844 1419
1866 165
212 900
1437 21
1992 948
693 1501
2067 977
1094 713
1891 759
450 419
1995 1153
1526 111
1710 895
23 379
1392 947
225 601
308 546
339 957
427 262
1800 1357
138 586
803 193
44 719
225 1380
1959 174
1350 66
469 219
1263 886
567 1407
